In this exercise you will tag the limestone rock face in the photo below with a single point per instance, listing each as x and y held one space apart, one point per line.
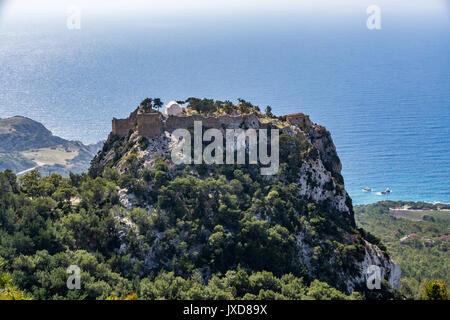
323 187
321 138
375 257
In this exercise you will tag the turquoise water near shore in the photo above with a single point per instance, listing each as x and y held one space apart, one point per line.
384 95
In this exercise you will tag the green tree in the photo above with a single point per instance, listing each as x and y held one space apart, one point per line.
29 183
157 103
147 104
434 290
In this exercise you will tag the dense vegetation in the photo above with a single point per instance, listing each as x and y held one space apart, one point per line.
49 223
417 240
198 222
216 218
139 226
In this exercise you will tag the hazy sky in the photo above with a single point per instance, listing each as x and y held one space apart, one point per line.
40 14
40 8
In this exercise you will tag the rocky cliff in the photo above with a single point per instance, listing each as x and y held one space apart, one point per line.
216 217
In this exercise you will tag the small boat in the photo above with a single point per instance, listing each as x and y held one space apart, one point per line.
367 189
387 191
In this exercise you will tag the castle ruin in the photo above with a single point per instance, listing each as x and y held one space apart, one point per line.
151 123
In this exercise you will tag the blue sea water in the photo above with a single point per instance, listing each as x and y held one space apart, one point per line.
384 95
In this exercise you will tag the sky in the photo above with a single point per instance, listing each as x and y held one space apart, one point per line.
207 15
15 10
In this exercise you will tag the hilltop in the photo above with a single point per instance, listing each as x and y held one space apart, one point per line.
140 226
300 220
20 133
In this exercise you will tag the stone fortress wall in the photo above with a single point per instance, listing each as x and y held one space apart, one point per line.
153 123
121 127
300 120
149 124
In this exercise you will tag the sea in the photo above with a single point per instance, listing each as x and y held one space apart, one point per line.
384 94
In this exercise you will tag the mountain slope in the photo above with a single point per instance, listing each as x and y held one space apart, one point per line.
21 133
139 226
214 218
26 144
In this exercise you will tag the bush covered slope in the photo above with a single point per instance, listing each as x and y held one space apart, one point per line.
48 224
137 223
